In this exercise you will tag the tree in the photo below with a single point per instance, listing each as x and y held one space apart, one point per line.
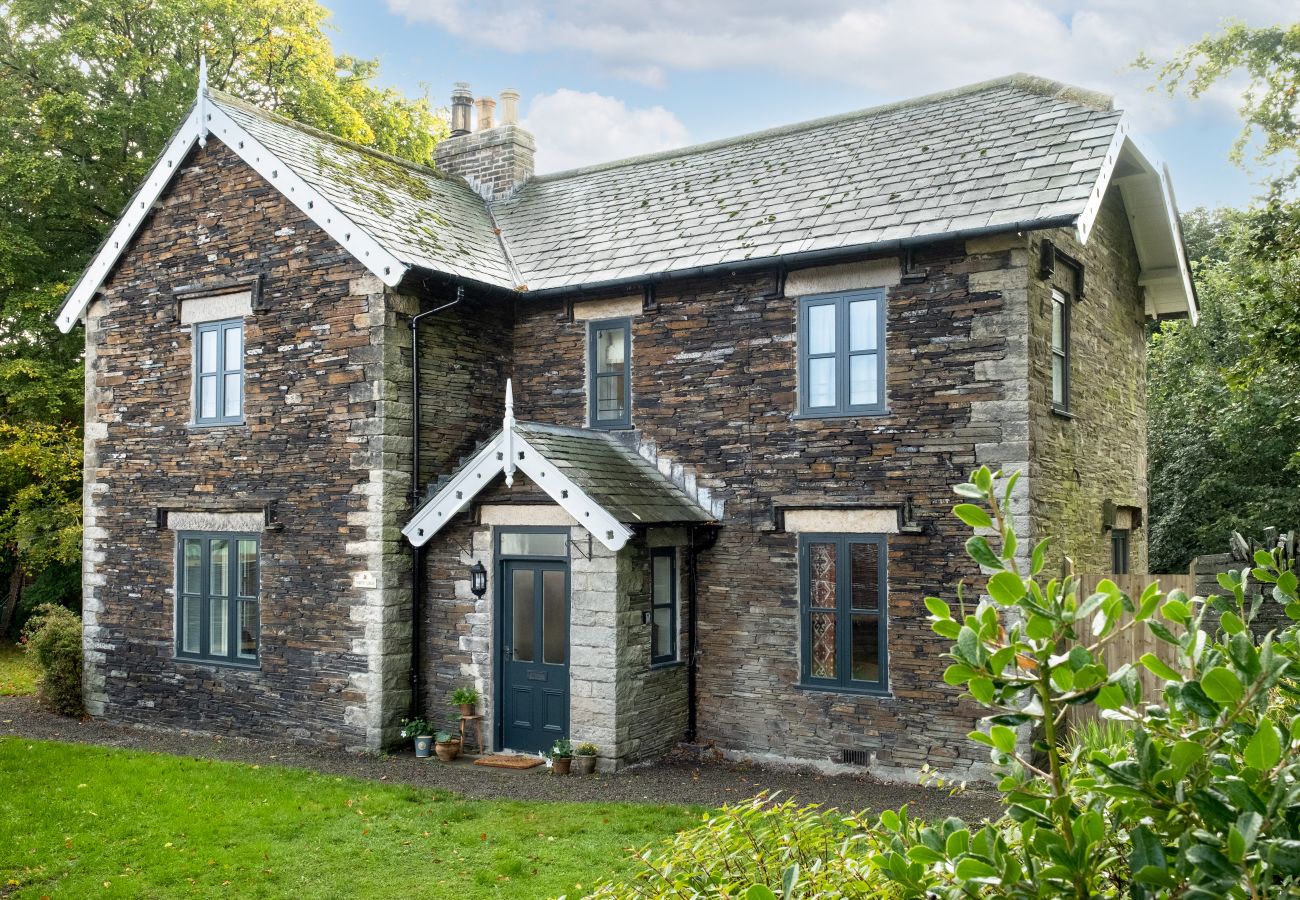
89 95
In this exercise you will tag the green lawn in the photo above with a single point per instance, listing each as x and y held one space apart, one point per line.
17 671
81 821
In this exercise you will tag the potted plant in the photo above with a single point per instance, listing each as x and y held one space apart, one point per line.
561 756
421 732
466 698
446 746
584 758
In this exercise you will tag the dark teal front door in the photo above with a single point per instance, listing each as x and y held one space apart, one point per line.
534 654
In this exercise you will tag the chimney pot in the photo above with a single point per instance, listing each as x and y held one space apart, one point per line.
484 105
510 107
462 100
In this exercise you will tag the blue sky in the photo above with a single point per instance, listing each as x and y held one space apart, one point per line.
604 79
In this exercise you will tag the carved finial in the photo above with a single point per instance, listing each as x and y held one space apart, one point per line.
202 100
508 435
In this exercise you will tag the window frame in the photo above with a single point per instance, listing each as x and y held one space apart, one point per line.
221 327
594 376
844 681
1121 544
233 599
662 659
1063 300
842 355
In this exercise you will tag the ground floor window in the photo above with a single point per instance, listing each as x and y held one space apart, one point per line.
843 611
663 605
1119 544
217 615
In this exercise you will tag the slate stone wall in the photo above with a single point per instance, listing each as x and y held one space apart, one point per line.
1099 453
313 446
714 388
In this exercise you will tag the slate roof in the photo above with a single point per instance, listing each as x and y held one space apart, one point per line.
422 218
613 475
1018 152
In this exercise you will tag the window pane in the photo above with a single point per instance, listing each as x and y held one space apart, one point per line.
553 618
661 634
191 624
864 382
821 328
523 614
1058 334
534 543
866 648
821 382
217 628
219 570
821 576
1058 379
609 349
248 628
248 568
208 350
208 397
663 580
864 566
233 399
234 348
822 644
862 325
192 582
609 397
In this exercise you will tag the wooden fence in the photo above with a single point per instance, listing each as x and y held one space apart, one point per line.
1135 641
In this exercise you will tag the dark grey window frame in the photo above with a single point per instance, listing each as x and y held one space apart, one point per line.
844 681
842 407
659 659
593 378
232 657
1065 302
221 327
1120 547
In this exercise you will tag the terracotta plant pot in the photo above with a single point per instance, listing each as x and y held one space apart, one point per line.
560 765
467 709
447 750
584 764
422 744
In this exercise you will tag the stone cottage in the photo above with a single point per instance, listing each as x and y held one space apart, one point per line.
654 451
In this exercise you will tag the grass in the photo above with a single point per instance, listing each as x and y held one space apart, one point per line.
17 671
81 821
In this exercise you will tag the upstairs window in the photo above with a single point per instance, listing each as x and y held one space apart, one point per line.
219 372
609 390
1060 351
843 611
217 615
842 354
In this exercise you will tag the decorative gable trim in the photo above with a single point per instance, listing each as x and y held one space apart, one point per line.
204 118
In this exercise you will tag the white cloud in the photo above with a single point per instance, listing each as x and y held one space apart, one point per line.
574 128
890 49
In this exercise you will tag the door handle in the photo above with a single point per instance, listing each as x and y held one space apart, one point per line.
507 652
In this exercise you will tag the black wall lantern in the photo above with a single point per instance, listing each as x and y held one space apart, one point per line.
478 579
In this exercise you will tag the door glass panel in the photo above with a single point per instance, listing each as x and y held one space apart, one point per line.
193 580
208 351
534 543
821 382
821 576
553 618
248 627
822 644
233 397
609 397
610 343
234 348
821 329
863 381
523 603
191 624
248 568
217 628
866 648
208 397
864 564
219 572
661 637
862 325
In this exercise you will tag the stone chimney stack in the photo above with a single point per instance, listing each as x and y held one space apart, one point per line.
495 159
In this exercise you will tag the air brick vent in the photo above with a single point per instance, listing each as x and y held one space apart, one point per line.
855 757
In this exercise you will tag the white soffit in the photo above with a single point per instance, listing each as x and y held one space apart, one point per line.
311 202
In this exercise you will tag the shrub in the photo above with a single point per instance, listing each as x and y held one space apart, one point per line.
53 636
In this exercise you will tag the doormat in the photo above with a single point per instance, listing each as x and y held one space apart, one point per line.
510 761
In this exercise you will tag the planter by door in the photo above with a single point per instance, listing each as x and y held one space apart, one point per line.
422 744
561 766
534 659
584 765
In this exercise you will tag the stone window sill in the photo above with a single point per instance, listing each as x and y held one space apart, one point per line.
202 663
882 693
666 664
857 414
208 426
1063 413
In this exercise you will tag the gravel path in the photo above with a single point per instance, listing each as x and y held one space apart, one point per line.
677 780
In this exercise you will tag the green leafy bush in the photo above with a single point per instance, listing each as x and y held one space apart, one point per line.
53 636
